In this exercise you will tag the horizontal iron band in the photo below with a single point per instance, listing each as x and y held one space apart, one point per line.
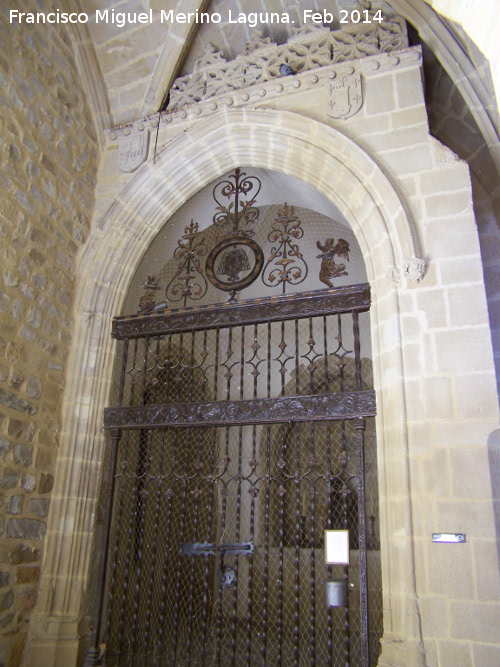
255 411
268 309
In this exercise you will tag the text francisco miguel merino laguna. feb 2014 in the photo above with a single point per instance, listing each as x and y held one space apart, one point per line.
253 19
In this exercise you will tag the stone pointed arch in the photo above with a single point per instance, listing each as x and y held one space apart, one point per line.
339 169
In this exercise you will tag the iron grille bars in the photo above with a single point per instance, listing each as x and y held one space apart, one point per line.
249 432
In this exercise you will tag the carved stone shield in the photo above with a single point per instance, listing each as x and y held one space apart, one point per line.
344 96
133 150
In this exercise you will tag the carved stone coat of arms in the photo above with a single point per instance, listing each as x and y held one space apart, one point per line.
133 150
344 96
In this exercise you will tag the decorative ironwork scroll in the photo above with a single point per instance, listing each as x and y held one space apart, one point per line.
241 191
188 280
229 257
289 264
148 301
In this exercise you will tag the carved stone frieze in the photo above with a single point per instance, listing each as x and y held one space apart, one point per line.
264 410
304 51
260 87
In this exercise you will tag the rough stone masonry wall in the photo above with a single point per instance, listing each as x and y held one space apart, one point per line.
48 165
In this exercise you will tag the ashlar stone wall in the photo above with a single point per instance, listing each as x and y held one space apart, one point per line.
47 176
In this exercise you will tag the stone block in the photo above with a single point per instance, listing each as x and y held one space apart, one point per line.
379 95
486 654
475 621
6 620
454 654
6 600
27 574
11 401
476 396
441 205
38 506
4 579
4 448
23 454
408 160
28 482
460 350
10 478
24 554
472 517
434 615
46 483
486 570
467 306
27 599
28 529
443 559
437 398
14 504
16 427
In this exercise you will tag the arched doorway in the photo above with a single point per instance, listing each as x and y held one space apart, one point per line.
239 435
351 180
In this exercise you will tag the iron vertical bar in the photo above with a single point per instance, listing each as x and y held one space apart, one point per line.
145 371
328 491
132 382
191 363
181 540
266 518
94 654
166 560
237 539
312 650
168 368
296 628
296 620
154 383
266 549
154 546
347 646
205 382
224 494
128 551
357 348
179 374
216 363
208 535
359 425
138 546
252 513
112 580
193 563
282 519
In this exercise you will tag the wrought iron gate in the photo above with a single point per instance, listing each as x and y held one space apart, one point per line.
238 437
